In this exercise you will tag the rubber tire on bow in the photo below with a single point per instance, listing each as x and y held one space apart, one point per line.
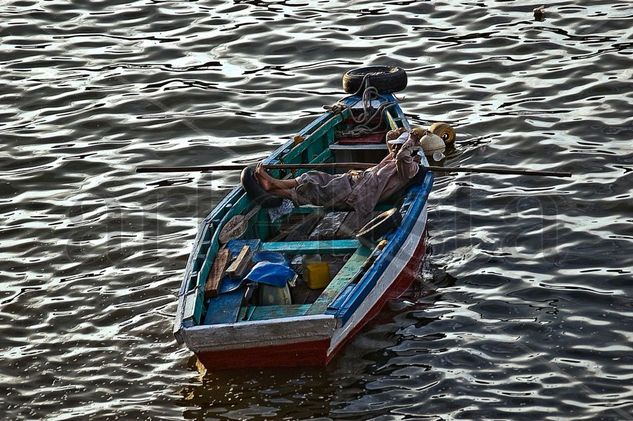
255 192
375 229
386 79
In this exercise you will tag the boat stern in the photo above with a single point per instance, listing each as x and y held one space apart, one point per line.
287 342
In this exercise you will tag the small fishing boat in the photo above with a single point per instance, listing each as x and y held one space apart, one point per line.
271 288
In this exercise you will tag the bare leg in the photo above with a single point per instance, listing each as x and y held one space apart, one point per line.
287 184
269 183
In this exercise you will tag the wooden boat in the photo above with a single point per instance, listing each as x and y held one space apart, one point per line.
303 326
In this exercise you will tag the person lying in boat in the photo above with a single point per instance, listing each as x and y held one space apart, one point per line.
357 190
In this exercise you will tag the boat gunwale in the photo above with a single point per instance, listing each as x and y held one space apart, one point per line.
416 199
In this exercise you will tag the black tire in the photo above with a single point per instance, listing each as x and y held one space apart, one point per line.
255 192
375 229
386 79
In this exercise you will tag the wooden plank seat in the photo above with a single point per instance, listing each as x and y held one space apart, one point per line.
277 312
312 247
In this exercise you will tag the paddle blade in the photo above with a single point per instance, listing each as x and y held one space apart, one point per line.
234 229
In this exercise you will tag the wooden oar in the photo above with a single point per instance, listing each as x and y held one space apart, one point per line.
236 226
347 165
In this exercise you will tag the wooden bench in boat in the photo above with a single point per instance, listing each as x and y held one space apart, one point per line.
296 247
312 247
274 312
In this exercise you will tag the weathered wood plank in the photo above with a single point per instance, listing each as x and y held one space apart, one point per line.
312 247
325 155
217 270
224 308
340 281
250 333
278 312
311 138
333 307
241 263
236 246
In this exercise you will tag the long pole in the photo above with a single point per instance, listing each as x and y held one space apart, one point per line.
347 165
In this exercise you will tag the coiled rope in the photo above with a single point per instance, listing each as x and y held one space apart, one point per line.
363 120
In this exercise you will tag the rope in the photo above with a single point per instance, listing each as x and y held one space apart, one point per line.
362 121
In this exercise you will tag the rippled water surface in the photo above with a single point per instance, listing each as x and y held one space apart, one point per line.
526 308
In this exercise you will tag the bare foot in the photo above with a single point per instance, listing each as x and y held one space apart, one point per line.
263 177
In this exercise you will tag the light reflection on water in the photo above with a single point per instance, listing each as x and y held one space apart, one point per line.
533 321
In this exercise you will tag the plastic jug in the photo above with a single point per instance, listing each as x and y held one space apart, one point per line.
316 272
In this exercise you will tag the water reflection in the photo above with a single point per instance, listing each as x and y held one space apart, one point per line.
537 319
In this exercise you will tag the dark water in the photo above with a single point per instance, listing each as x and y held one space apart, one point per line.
534 321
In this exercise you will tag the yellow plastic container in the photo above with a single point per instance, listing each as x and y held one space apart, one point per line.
317 274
